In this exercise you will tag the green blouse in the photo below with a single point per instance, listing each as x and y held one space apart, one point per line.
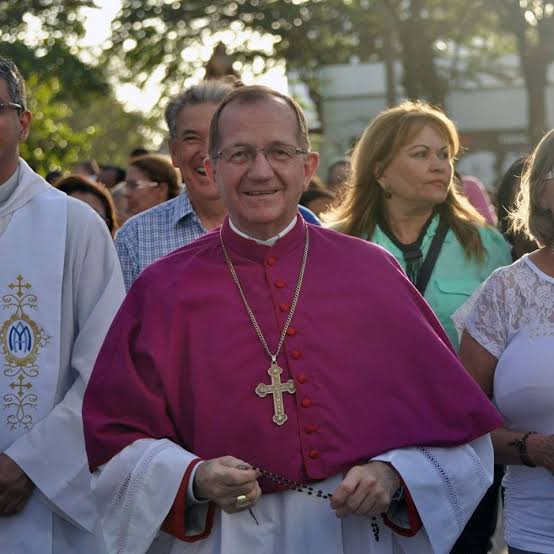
454 277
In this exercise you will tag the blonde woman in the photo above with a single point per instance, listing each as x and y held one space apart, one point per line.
401 196
508 347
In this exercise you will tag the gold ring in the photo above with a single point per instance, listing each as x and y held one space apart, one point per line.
241 501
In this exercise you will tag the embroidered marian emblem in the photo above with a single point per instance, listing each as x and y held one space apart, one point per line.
21 340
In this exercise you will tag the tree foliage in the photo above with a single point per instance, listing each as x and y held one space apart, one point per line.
151 34
59 19
52 142
531 24
75 113
112 131
58 83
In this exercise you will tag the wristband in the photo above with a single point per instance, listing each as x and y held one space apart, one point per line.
521 445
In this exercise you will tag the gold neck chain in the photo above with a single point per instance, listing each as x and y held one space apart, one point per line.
247 306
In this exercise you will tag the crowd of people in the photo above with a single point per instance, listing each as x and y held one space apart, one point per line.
225 353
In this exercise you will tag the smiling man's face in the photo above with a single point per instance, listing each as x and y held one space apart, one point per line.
261 197
189 148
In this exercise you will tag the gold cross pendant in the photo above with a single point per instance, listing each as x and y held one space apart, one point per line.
276 389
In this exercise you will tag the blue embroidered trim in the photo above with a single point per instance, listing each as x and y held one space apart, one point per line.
126 495
452 496
483 481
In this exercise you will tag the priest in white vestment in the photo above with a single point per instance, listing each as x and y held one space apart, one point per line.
60 286
364 436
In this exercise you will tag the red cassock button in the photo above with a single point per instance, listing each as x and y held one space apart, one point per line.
291 331
271 261
306 403
313 454
284 307
296 354
302 379
280 284
310 429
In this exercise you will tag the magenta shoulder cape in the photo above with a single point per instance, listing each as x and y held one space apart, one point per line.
373 368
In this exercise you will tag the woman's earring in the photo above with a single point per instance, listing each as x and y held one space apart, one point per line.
386 192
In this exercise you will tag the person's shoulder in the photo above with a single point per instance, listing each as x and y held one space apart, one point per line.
84 225
350 246
489 233
495 244
181 260
308 215
504 276
79 213
161 212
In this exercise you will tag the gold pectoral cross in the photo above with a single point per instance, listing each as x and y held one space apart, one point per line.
276 389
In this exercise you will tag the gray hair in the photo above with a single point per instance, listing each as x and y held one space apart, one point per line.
207 92
529 216
14 81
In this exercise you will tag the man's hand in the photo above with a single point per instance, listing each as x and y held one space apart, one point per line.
366 490
15 487
221 480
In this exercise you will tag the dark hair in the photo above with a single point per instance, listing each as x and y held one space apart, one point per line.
53 176
316 189
78 183
159 169
15 82
90 166
251 95
207 92
119 172
337 162
136 152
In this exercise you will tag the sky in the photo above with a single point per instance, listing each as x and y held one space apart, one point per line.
97 26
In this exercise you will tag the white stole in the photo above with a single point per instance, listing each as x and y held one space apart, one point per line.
32 249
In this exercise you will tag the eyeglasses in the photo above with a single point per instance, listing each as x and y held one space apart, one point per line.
245 154
5 106
132 186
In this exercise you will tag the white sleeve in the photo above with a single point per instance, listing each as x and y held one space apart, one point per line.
135 491
446 485
52 453
484 315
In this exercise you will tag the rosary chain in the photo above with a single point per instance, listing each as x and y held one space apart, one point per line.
247 306
293 485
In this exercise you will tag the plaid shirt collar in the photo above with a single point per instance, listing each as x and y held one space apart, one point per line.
183 207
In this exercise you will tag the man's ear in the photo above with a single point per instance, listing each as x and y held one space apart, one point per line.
25 118
172 145
311 163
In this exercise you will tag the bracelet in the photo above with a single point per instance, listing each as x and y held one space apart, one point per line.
521 445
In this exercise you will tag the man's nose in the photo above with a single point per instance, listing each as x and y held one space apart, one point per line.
203 148
260 168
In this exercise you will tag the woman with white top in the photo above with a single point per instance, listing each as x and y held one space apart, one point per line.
508 347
